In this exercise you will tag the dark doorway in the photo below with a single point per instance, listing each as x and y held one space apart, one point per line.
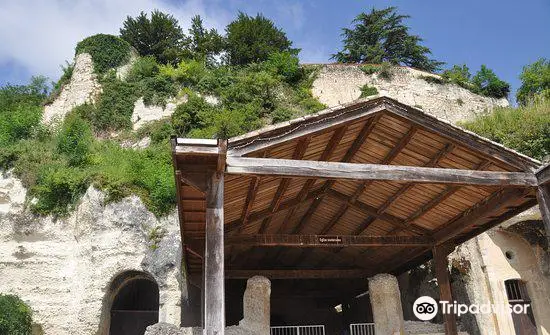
516 291
135 306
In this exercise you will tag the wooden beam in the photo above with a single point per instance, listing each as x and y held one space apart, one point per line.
214 290
543 175
327 241
299 274
543 198
440 254
482 209
353 171
222 155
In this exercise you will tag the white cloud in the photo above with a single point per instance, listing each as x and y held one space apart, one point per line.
39 35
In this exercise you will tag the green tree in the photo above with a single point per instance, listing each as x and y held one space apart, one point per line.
253 39
15 316
458 74
535 80
204 44
161 36
380 36
487 83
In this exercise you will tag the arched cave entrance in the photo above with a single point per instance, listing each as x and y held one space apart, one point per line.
135 304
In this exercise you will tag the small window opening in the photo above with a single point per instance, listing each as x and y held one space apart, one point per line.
509 255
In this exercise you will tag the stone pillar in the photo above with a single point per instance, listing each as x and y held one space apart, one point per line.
385 300
256 305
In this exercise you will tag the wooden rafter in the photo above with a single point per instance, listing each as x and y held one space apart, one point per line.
445 194
299 152
365 224
483 208
373 211
325 156
361 188
352 150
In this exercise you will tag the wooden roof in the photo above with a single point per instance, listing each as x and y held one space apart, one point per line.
274 222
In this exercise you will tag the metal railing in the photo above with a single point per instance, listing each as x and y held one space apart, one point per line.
361 329
298 330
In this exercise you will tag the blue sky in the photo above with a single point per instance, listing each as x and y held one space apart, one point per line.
36 36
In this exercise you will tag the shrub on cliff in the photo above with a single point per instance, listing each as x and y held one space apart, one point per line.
525 129
107 51
15 316
535 81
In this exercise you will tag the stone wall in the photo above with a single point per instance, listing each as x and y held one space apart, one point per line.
493 258
82 88
63 268
340 84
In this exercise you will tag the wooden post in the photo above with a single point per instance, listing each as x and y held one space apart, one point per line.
543 197
440 253
214 281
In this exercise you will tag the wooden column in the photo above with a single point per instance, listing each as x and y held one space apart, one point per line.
214 286
543 197
440 253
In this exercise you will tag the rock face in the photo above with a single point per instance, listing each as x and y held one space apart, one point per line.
82 88
339 84
64 268
144 114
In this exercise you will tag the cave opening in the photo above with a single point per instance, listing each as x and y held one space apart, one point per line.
135 306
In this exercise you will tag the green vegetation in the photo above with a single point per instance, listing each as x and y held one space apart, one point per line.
107 51
253 39
487 83
260 82
535 80
525 129
384 70
160 36
58 165
367 91
484 82
15 316
380 36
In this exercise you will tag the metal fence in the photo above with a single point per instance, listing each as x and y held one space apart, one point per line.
298 330
361 329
